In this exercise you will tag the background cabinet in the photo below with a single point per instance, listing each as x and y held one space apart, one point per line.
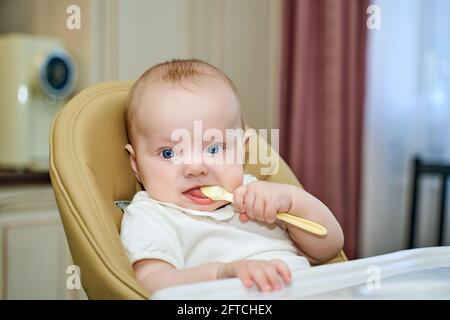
34 255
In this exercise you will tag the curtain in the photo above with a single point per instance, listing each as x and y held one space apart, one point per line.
322 98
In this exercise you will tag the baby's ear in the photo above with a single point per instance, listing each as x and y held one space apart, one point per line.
133 162
247 135
129 148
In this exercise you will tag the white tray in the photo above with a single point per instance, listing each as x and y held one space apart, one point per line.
410 274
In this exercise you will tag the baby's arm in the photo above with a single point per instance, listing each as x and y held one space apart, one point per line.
261 200
156 274
307 206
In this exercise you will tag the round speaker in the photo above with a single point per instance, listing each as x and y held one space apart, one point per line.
57 74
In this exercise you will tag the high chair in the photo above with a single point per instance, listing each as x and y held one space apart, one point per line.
89 170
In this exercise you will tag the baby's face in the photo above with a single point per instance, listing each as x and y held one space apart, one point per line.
169 171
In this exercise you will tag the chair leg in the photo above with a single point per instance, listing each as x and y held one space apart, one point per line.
414 192
442 209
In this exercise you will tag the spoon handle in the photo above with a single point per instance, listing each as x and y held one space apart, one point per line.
303 223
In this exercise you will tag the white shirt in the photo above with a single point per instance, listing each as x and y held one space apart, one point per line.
185 238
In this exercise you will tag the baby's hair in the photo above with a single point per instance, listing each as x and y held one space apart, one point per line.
179 71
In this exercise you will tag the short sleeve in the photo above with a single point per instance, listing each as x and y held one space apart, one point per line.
146 233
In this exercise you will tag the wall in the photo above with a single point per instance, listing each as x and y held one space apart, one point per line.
14 16
119 39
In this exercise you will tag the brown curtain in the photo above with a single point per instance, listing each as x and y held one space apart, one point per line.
322 97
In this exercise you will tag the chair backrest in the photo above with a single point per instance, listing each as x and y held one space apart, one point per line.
89 169
420 168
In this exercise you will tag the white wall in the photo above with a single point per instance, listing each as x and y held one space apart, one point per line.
243 38
120 39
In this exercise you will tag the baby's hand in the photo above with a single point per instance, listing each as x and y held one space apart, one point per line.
268 275
261 200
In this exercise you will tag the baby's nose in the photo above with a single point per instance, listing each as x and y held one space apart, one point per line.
194 169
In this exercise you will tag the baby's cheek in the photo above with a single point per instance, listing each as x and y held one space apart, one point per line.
235 179
229 176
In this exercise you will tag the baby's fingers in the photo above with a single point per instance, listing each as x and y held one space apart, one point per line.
274 278
261 279
283 270
238 198
243 217
245 277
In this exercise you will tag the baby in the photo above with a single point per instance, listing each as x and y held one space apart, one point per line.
172 233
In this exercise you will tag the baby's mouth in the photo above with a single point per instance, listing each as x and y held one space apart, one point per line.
196 196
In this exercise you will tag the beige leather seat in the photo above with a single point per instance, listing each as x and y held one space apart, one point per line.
89 169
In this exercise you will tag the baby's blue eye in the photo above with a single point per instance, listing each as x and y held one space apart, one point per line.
214 148
167 153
